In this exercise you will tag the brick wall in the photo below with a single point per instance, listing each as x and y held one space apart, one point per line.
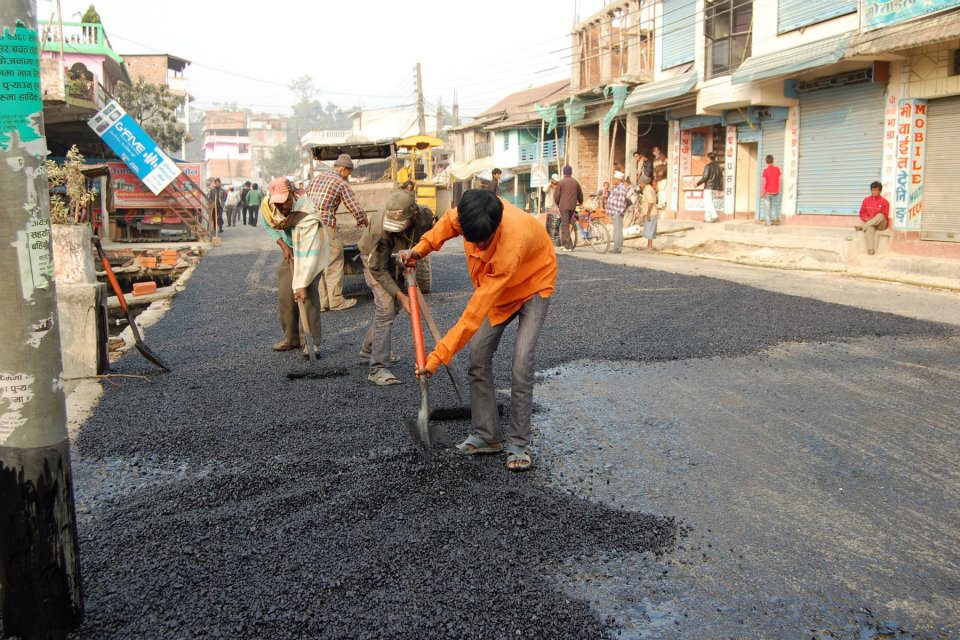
588 147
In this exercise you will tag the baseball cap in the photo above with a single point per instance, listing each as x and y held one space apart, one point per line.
279 190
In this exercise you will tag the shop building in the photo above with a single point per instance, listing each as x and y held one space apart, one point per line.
840 92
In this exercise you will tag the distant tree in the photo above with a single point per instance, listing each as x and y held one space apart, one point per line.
91 16
154 108
283 161
309 113
231 105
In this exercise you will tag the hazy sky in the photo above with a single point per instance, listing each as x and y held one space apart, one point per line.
357 52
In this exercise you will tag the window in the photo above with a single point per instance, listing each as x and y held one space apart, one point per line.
728 26
955 71
506 142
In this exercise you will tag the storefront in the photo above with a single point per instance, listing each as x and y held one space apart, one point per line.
841 147
941 215
699 135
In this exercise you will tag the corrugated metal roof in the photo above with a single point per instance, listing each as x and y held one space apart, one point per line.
523 101
932 30
647 94
819 53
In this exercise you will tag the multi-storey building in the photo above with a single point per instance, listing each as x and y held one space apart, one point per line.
839 92
227 146
169 70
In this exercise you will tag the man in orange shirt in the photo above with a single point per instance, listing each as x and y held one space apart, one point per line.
513 267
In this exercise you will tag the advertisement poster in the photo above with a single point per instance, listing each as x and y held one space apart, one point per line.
883 13
132 144
130 193
911 148
20 101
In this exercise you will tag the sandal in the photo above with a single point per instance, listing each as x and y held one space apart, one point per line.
383 378
518 459
474 445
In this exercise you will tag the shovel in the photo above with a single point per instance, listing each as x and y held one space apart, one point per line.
419 430
141 347
315 371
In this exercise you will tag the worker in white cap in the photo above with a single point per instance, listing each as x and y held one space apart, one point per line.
616 208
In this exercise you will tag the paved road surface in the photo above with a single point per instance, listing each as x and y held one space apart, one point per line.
713 460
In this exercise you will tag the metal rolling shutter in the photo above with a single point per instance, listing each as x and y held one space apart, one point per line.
677 41
941 214
841 147
773 137
772 141
793 14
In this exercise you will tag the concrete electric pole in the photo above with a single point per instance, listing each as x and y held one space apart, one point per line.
40 588
421 118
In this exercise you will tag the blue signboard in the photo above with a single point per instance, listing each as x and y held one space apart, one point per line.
132 145
882 13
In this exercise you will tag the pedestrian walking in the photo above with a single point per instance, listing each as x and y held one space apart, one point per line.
328 189
494 185
770 193
648 210
712 181
242 209
660 176
616 207
218 199
514 271
874 215
294 224
253 200
232 201
567 196
398 228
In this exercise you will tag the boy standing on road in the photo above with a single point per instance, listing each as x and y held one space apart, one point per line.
770 193
875 215
514 271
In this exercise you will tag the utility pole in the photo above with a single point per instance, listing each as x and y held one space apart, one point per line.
439 115
421 118
456 109
40 587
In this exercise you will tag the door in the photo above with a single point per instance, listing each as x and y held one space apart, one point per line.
941 215
747 182
841 147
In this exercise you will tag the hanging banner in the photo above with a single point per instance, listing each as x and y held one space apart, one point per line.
132 144
730 171
911 151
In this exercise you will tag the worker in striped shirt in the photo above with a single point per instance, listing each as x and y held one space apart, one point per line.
616 207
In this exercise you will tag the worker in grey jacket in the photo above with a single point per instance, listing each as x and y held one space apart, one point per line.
395 229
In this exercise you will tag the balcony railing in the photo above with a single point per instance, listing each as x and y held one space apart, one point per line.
77 37
530 153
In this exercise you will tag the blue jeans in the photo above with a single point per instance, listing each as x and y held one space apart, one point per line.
771 207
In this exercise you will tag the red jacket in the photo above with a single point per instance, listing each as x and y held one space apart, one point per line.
872 205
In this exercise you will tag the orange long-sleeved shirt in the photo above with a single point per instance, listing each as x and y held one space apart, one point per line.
519 264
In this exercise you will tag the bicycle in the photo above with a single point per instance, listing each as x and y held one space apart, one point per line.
591 230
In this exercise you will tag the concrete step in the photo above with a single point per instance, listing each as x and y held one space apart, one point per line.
791 230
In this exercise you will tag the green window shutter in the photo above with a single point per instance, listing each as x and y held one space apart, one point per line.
678 36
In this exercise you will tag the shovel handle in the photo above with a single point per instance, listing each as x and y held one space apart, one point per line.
416 323
110 275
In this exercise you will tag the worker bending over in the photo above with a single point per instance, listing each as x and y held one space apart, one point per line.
513 267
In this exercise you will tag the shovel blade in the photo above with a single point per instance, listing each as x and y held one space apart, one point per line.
420 430
151 356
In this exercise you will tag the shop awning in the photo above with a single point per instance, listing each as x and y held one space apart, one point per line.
793 60
907 36
654 92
